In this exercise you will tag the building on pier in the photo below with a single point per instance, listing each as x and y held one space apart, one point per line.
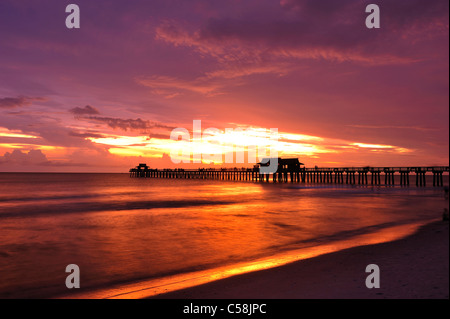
284 164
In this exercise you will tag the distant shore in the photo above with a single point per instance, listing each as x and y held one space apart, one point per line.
415 267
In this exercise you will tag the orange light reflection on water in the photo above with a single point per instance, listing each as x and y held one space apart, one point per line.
155 287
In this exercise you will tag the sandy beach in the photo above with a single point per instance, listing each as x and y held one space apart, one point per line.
415 267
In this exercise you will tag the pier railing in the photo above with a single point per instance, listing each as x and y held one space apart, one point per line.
336 175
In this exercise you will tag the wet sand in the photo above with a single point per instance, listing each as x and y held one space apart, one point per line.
415 267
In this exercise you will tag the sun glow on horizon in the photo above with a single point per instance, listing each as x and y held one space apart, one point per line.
243 144
4 132
218 143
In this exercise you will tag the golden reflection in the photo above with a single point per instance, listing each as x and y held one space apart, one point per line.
155 287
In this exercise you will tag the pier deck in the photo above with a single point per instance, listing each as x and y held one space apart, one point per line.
326 175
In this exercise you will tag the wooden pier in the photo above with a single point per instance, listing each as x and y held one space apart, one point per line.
296 174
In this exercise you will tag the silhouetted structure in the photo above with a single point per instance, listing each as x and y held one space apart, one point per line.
292 170
286 166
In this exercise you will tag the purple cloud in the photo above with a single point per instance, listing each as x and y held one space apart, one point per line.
329 30
86 134
126 124
84 110
33 157
12 102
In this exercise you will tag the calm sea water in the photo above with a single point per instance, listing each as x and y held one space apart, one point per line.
119 229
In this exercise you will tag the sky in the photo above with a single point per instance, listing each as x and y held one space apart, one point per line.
108 95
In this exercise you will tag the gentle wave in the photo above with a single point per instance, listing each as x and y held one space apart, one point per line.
87 207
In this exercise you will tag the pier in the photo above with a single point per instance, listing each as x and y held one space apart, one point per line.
290 170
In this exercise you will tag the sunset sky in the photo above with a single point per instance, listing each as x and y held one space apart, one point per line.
106 97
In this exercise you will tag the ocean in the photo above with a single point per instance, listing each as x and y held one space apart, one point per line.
121 230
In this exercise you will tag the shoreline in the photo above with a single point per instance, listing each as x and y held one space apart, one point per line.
197 284
413 267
